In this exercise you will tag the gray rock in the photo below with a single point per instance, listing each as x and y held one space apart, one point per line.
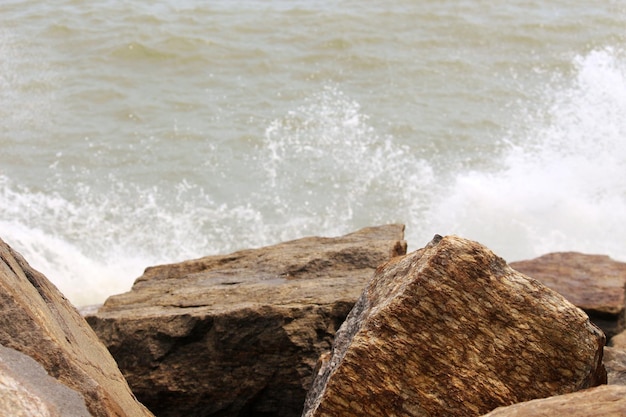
615 364
27 390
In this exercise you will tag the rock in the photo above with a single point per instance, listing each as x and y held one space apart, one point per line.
36 320
27 390
615 364
594 283
605 401
619 340
240 334
452 330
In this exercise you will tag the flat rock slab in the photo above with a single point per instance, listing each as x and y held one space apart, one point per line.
594 283
36 320
452 330
605 401
240 334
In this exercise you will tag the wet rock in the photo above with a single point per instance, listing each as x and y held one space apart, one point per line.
605 401
452 330
594 283
36 320
240 334
27 390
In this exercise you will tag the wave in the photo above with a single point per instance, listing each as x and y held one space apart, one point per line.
323 168
560 184
348 174
320 170
94 243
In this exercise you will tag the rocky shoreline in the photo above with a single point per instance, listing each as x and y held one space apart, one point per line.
345 326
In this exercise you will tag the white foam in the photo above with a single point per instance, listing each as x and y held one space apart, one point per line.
331 170
81 278
95 244
562 184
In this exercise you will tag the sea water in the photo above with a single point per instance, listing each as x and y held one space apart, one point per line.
136 134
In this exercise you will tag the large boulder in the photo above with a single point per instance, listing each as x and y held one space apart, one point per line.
240 334
605 401
594 283
452 330
36 320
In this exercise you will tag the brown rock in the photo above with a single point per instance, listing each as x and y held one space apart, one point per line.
452 330
38 321
619 340
240 334
615 364
594 283
605 401
26 390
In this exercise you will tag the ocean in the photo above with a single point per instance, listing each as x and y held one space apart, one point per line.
139 133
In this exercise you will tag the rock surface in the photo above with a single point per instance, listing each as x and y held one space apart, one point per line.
240 334
594 283
452 330
619 340
36 320
605 401
615 364
26 390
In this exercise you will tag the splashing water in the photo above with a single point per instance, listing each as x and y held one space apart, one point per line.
95 244
321 169
562 186
350 176
324 169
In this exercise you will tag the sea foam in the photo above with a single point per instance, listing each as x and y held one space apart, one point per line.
560 185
